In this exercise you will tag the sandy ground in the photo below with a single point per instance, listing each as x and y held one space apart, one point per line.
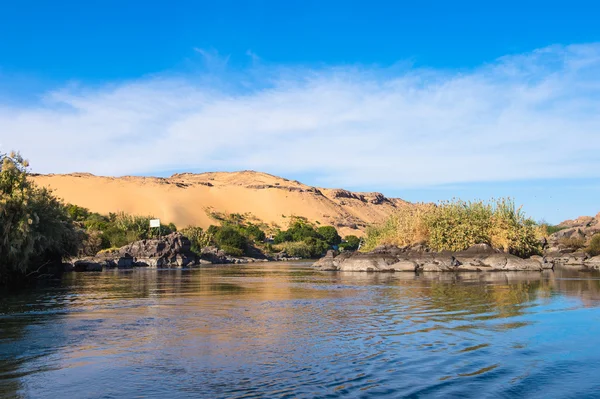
188 199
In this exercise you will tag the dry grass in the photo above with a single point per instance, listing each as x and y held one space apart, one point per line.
456 225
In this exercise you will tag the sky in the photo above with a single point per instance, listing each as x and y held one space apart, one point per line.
425 101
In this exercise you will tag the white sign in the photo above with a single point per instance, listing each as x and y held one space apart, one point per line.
154 222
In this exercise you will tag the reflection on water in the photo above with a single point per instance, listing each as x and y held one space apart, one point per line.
285 330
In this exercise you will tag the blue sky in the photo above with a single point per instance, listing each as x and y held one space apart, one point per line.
422 100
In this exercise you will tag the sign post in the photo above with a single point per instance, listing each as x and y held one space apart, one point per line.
155 223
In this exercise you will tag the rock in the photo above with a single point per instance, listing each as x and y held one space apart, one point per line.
393 259
543 261
326 263
404 266
168 251
68 267
125 262
84 265
593 263
478 249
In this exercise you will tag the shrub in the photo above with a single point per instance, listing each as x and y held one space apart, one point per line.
550 229
572 242
283 236
316 247
229 236
456 225
329 235
233 251
350 243
594 247
404 227
254 233
198 237
296 249
300 230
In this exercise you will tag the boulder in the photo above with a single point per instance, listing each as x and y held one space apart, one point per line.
125 262
593 263
173 250
394 259
85 265
326 263
404 266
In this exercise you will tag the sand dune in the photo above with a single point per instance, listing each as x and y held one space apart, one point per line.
188 199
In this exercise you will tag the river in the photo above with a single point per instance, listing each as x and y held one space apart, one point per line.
284 330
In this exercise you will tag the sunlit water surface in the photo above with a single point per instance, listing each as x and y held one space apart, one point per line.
284 330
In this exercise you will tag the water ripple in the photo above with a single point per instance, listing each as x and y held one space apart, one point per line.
287 331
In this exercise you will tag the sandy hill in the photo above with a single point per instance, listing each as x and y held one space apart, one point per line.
188 199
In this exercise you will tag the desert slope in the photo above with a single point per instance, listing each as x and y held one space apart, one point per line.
187 199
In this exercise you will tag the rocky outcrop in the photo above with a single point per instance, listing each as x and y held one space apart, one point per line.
173 250
393 259
578 260
577 231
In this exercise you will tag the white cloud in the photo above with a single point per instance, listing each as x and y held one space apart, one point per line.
528 116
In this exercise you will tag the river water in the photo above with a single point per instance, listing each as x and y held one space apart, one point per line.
283 330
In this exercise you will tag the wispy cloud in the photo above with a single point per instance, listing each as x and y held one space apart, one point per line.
253 56
527 116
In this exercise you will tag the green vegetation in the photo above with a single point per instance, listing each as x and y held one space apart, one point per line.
113 230
311 248
231 240
594 246
456 225
302 239
198 237
35 228
549 229
330 235
350 243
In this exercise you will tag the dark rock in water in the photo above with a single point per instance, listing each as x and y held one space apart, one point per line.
84 265
213 255
68 267
125 262
395 259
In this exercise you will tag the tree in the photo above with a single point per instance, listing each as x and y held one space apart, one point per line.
36 229
229 236
329 235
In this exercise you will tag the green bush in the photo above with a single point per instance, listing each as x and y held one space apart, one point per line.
233 251
330 235
594 247
283 236
296 249
316 247
300 230
254 233
350 243
229 236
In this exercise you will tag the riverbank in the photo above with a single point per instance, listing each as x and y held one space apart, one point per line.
173 250
477 258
